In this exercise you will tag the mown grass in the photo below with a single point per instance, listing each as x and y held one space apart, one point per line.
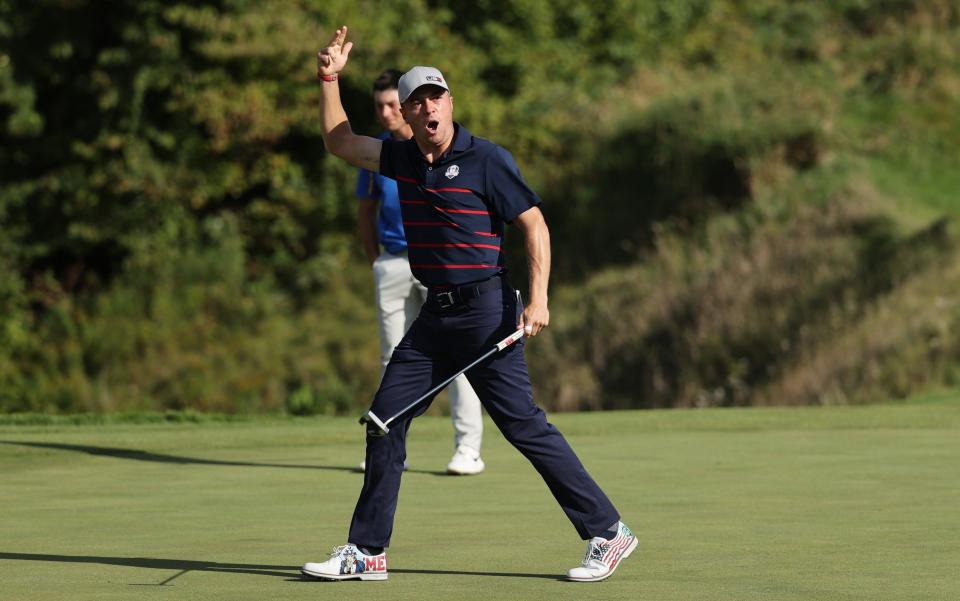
739 504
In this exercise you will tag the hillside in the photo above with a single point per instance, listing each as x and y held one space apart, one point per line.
750 203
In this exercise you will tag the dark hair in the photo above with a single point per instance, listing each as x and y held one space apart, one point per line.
388 80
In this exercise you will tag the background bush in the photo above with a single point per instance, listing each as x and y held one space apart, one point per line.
750 202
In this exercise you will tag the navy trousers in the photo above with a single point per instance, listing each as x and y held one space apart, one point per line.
440 342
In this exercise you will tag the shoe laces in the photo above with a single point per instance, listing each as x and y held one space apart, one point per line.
596 547
339 550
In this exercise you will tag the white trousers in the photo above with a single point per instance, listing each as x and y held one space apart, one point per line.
399 298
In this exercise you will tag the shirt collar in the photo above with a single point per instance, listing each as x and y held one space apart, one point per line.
461 138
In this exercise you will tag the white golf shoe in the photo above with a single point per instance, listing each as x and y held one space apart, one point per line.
465 462
348 563
603 556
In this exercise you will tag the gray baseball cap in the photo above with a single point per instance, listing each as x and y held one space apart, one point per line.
420 76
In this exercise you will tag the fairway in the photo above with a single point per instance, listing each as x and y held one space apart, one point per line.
774 504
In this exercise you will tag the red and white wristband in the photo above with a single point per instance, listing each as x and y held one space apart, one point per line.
323 77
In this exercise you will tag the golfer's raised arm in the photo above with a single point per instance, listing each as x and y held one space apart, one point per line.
360 151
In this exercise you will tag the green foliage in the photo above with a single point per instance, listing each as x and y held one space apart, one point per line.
755 309
173 235
185 327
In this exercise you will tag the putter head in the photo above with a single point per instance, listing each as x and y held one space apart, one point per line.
375 427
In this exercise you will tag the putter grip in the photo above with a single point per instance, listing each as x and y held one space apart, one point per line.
517 335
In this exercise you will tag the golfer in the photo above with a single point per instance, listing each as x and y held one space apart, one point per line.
457 192
399 295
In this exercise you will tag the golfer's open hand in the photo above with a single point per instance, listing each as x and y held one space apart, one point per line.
332 59
535 317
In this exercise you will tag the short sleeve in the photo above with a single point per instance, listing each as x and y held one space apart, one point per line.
506 190
367 186
389 157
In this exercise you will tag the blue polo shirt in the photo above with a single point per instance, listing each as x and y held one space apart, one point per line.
373 186
454 209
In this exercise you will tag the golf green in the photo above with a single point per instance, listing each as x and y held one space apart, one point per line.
737 504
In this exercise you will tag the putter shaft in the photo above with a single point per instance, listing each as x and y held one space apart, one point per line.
384 426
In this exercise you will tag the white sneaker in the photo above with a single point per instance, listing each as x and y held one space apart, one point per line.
465 462
363 465
348 563
603 556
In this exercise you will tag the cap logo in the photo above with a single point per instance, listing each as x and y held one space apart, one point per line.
452 171
434 78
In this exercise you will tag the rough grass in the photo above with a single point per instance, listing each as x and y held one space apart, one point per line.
738 504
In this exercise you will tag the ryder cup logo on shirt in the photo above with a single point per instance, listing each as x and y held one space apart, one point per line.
452 171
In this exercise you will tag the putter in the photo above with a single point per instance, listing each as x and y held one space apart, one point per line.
384 425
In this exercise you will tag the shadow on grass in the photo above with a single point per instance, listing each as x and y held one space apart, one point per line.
160 458
182 566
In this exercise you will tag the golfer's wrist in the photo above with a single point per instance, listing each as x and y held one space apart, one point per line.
328 78
537 298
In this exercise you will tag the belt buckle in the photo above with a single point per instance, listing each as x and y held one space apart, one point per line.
445 299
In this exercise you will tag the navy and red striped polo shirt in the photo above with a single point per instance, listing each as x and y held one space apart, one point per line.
454 209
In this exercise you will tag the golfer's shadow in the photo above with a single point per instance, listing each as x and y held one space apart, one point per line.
137 455
182 566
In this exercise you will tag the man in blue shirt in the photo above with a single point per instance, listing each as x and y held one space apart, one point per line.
399 295
457 191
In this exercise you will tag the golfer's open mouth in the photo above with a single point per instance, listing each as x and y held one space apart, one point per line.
432 126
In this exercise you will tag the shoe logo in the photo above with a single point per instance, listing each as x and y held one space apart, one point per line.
452 171
377 563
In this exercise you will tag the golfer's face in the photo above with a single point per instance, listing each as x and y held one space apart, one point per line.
387 106
429 111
